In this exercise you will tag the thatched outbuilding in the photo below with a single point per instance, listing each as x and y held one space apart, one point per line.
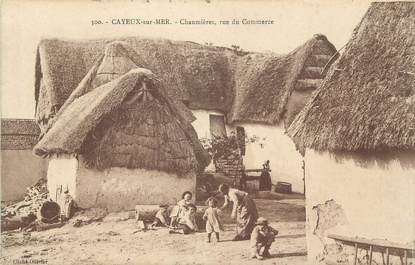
358 133
119 140
19 167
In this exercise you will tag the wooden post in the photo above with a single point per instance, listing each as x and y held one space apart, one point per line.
405 256
304 174
355 253
370 254
387 256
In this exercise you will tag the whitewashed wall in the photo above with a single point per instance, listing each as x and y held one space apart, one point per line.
120 189
116 188
378 198
286 162
202 127
62 173
202 123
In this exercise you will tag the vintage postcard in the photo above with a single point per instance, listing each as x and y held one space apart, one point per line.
207 132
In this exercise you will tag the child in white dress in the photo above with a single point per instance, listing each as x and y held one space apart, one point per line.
213 223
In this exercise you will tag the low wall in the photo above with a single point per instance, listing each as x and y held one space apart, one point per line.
19 170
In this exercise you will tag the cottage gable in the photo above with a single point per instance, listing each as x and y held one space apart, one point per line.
273 88
116 62
142 133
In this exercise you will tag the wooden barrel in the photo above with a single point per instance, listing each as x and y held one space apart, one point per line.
49 212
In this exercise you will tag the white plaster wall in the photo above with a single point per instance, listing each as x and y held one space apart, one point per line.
19 170
62 172
116 188
378 199
120 189
202 122
286 162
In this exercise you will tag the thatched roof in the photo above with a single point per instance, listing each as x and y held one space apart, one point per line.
191 72
116 61
18 134
127 122
204 77
265 82
366 101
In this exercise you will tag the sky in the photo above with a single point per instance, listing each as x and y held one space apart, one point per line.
25 23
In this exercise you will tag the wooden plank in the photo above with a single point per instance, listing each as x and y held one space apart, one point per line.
250 178
253 170
405 255
368 242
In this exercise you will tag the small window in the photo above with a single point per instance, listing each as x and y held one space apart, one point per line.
217 126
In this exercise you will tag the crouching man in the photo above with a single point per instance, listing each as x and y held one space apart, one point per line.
261 239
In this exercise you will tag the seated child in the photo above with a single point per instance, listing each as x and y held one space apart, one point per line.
213 223
261 238
178 210
187 223
162 217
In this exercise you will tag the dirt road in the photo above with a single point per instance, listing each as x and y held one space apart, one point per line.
117 242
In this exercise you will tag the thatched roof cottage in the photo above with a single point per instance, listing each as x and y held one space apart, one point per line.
358 133
270 90
119 140
221 87
18 136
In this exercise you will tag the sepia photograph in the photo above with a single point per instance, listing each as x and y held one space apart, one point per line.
183 132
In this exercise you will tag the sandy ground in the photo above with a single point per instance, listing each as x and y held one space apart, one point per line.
117 242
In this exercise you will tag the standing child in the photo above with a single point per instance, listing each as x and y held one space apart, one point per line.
213 223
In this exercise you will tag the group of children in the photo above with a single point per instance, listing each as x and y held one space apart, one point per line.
183 220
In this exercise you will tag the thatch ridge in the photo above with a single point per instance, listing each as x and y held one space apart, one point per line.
89 115
202 76
264 82
18 134
191 72
19 126
365 101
